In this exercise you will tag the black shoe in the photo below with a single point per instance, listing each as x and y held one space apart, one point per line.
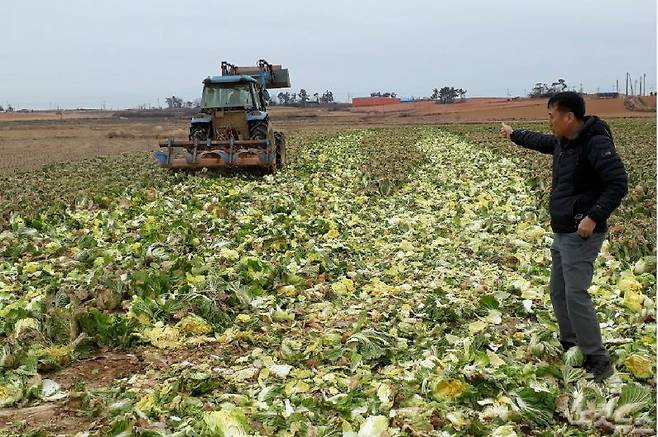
566 345
600 367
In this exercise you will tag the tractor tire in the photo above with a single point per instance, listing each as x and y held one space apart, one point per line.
280 141
199 132
258 130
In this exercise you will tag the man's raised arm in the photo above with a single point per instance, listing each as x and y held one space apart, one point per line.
531 140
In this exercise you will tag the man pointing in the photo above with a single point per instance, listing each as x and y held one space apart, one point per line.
589 182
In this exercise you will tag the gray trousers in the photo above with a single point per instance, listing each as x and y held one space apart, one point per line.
572 269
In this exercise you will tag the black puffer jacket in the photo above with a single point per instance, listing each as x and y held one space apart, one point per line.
589 178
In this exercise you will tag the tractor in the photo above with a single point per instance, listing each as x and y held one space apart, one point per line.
233 128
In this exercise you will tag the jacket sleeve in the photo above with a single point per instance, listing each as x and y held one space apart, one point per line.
534 140
606 162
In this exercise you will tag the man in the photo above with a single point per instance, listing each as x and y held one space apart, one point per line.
589 181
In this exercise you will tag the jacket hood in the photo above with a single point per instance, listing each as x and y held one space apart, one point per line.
594 126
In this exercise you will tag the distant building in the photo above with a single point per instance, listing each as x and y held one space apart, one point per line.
612 95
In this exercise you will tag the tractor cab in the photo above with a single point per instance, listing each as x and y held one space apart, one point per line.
232 107
226 93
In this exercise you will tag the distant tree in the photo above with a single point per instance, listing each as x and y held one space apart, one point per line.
560 84
542 90
462 93
2 109
538 90
293 98
303 96
447 94
435 94
327 97
9 108
174 102
386 94
197 103
284 98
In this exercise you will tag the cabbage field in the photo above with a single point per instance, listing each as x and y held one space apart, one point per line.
387 282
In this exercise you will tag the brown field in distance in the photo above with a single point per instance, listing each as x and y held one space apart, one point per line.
31 140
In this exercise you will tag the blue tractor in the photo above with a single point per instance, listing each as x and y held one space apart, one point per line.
233 128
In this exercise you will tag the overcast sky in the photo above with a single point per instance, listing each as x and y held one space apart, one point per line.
82 53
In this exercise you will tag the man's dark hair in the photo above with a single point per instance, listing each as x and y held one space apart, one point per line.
569 101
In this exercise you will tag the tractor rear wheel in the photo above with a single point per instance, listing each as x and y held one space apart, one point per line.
280 141
199 132
258 130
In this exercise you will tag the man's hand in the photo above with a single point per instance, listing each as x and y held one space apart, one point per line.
586 227
506 130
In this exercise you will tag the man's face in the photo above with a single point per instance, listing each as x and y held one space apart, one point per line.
560 121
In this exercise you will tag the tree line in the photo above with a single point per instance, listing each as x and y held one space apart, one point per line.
300 98
542 90
448 94
174 102
303 98
443 95
381 94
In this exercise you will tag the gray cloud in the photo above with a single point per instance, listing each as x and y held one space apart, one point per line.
125 53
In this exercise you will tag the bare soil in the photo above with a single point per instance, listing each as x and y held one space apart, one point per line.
66 417
32 140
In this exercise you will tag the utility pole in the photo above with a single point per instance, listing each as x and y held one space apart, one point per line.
645 85
617 86
626 84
